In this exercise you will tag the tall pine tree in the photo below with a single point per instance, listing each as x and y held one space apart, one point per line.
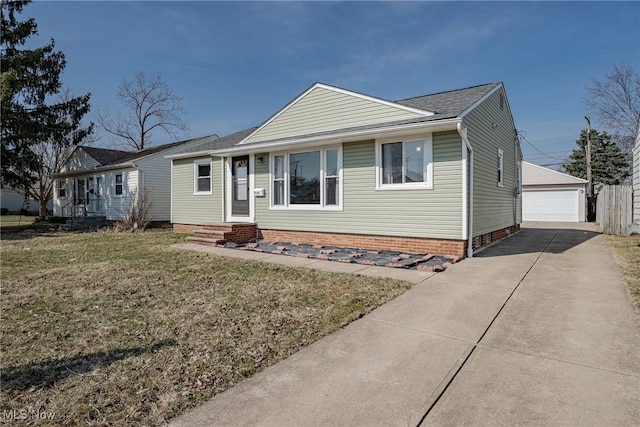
609 165
30 78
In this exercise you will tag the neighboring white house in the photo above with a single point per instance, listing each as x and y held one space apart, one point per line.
548 195
14 201
102 182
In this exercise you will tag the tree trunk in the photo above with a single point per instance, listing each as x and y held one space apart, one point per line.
42 209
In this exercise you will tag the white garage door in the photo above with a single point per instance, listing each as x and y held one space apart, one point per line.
550 205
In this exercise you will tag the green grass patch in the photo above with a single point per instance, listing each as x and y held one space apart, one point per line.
118 328
16 219
626 251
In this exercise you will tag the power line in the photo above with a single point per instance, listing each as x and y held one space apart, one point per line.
522 135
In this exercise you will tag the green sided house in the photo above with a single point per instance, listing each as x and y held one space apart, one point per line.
437 173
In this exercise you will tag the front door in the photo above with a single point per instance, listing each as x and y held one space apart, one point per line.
240 186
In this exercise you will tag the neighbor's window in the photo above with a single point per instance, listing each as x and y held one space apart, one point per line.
203 177
62 190
405 163
118 185
310 178
500 168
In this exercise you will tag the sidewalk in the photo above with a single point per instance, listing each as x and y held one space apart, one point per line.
537 329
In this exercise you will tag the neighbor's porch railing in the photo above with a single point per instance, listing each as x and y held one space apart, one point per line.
93 206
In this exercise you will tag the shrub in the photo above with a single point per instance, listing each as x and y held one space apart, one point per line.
138 217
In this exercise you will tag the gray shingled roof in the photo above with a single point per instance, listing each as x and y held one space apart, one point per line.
104 156
449 104
219 143
108 157
445 105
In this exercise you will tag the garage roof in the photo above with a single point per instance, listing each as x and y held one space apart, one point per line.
539 175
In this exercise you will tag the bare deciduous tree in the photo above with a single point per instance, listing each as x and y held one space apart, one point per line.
151 105
53 152
616 102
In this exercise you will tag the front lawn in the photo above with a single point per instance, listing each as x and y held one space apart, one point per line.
16 219
118 328
626 251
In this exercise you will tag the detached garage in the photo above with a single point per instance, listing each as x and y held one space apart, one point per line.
548 195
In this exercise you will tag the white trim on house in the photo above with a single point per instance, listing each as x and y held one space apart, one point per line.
353 136
481 100
465 214
196 164
462 131
427 165
228 199
322 205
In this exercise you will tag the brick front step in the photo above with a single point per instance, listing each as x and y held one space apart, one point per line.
235 232
213 234
205 241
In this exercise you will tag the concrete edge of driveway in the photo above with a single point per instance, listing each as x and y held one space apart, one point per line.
412 276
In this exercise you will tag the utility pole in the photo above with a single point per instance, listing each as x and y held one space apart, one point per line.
589 183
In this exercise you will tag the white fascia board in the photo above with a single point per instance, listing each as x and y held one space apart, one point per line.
374 99
338 90
80 172
481 100
575 179
189 154
439 126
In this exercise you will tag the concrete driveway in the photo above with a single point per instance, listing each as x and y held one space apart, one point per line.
537 329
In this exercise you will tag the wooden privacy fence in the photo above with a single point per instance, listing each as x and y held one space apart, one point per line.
614 211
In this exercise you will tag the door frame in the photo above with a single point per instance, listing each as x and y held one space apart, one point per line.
229 217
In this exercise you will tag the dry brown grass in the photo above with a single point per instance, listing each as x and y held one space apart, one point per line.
119 329
626 251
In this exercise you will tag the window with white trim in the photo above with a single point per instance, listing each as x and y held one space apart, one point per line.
500 168
405 164
307 179
118 184
62 189
202 177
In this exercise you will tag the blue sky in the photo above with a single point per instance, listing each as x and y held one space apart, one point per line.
237 63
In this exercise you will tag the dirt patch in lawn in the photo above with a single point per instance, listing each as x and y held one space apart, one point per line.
626 251
116 328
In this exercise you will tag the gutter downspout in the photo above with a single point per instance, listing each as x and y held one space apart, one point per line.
463 134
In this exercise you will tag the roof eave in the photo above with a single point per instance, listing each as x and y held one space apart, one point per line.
480 100
434 126
80 172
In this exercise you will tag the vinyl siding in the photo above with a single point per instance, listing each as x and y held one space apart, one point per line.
323 110
494 207
156 178
79 160
118 206
115 206
196 209
433 213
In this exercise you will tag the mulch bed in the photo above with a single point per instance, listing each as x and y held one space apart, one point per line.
410 261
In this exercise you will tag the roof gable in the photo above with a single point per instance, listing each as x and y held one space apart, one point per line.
324 108
539 175
86 158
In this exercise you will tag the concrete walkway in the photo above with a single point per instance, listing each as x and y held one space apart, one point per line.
536 329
